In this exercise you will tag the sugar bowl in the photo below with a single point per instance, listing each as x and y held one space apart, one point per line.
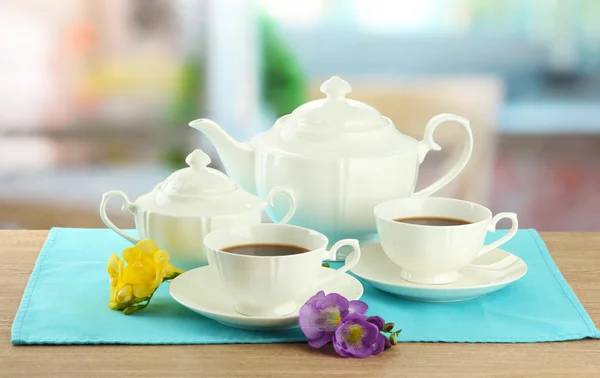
180 211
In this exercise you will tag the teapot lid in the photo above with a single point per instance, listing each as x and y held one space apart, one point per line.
194 182
334 126
336 113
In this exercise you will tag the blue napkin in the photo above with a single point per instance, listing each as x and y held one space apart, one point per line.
65 302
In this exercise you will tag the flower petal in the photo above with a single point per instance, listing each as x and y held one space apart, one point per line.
314 324
146 246
318 342
377 320
139 274
388 343
310 323
316 297
131 255
171 269
125 294
161 257
340 347
380 344
113 266
115 270
320 316
142 291
331 300
358 306
333 308
356 317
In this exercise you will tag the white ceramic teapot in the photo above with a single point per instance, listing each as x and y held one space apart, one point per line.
341 157
188 205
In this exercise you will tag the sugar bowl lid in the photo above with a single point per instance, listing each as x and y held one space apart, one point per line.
198 190
195 181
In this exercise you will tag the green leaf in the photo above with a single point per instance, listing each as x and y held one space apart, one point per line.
393 339
388 327
325 265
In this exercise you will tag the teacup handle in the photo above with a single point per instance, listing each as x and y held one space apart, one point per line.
350 262
428 144
127 206
513 231
271 198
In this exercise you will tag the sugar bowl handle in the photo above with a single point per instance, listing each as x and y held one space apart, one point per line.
292 200
428 144
127 206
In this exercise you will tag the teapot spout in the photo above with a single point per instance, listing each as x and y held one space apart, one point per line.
237 157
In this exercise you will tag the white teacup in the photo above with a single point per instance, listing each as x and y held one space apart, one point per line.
434 254
272 285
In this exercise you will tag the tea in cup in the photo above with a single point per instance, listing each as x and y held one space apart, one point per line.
432 238
267 269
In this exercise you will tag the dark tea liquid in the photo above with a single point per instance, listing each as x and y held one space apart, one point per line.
266 249
433 221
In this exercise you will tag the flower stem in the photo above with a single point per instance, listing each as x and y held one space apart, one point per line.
138 307
137 302
175 274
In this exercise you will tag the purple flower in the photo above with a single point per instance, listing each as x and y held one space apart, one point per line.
322 314
325 318
357 337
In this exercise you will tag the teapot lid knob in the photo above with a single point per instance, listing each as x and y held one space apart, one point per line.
197 160
336 88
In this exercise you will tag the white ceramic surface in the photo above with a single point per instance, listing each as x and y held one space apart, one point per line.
434 254
180 211
272 285
201 291
341 158
487 274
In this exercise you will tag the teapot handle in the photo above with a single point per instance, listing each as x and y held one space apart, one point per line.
428 144
292 209
127 206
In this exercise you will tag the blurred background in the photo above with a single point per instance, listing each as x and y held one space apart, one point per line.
96 94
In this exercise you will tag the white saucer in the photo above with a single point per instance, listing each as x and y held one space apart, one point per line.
201 291
487 274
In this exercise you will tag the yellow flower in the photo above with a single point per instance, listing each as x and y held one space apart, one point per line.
147 267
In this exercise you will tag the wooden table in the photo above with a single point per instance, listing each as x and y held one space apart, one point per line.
576 254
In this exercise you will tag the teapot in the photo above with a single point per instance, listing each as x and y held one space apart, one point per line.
340 157
180 211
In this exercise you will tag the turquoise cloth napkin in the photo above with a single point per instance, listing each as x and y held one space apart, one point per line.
65 302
